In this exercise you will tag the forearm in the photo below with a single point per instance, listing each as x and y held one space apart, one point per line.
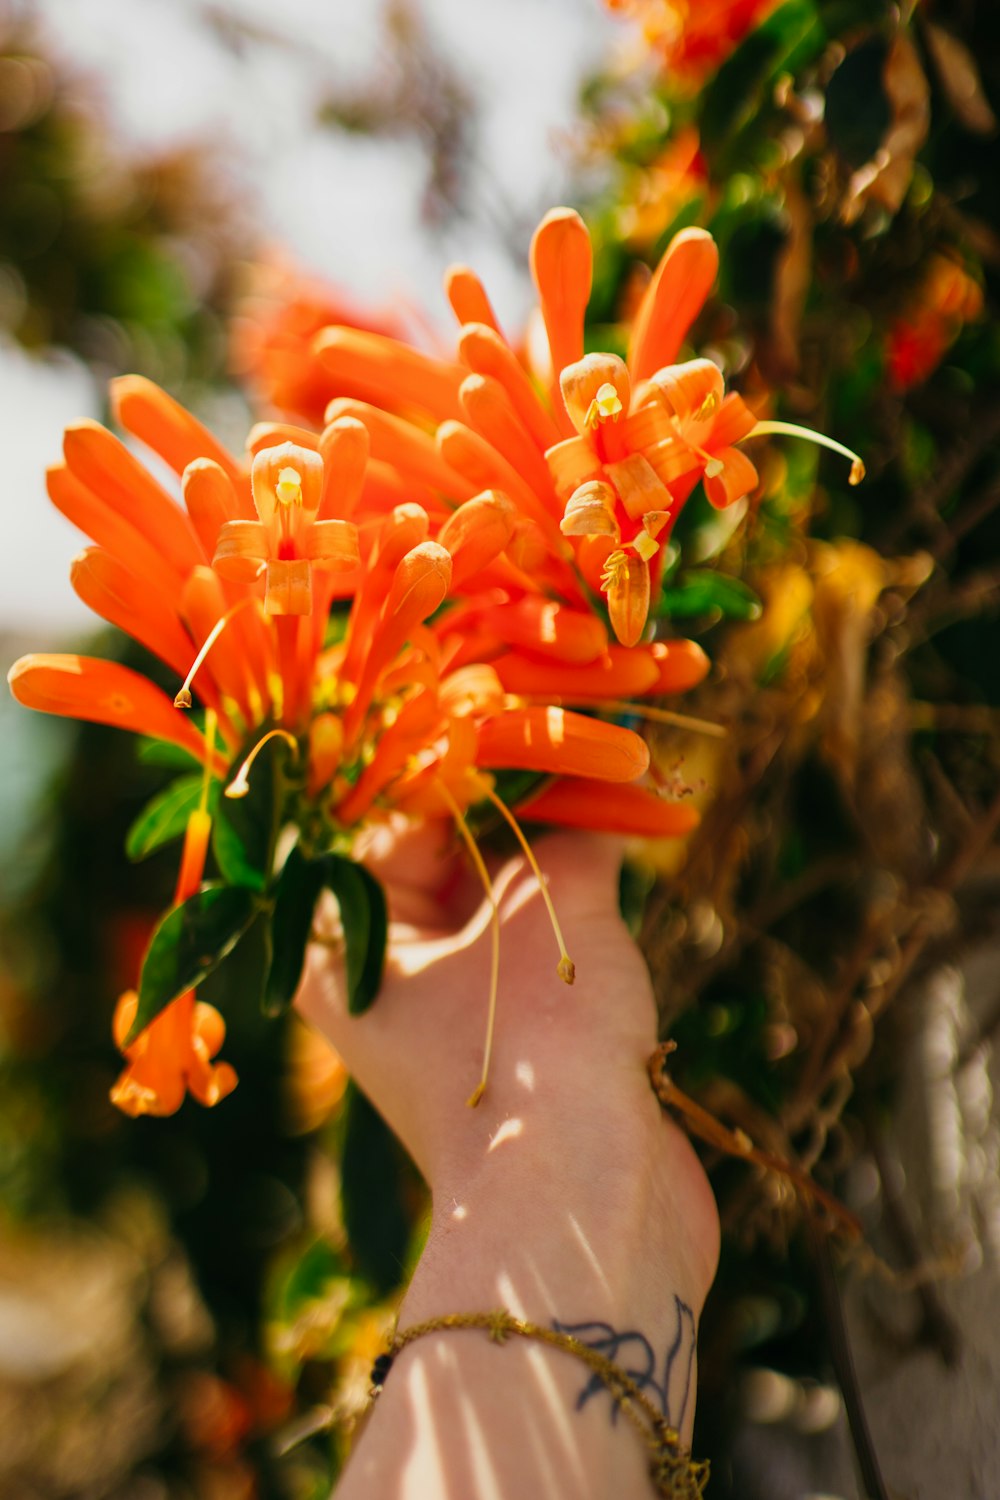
597 1236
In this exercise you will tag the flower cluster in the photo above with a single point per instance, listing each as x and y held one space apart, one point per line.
410 600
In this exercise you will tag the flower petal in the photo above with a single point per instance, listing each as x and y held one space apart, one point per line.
556 740
241 551
388 372
576 802
168 428
736 478
468 298
628 589
547 628
211 500
106 466
345 446
681 665
476 533
561 268
581 381
143 611
672 301
333 545
412 451
485 352
103 692
108 527
481 464
487 409
619 673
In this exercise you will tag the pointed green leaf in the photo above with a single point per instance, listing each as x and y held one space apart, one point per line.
365 921
245 828
189 942
372 1168
164 817
298 888
162 753
699 591
743 87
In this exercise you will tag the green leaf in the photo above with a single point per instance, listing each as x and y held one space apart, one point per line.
164 817
299 885
365 921
699 591
189 942
372 1170
744 85
245 828
162 753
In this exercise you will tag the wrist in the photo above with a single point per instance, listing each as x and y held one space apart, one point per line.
599 1211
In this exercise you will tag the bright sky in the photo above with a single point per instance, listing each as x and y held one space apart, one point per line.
344 204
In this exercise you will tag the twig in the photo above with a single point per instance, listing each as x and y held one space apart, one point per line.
843 1364
927 498
737 1143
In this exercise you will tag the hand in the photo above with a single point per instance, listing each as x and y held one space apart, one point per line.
566 1195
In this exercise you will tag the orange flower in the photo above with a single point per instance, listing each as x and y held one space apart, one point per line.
174 1054
287 541
282 311
691 38
598 476
423 692
947 299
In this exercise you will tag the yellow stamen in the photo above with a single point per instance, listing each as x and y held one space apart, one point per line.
606 404
211 725
614 570
289 487
183 698
665 716
791 429
566 969
484 876
646 545
240 784
707 407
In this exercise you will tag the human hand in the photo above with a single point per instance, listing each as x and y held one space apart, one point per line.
566 1196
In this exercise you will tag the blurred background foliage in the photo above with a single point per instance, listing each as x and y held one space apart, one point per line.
199 1298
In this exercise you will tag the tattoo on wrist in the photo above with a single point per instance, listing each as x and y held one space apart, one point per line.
637 1357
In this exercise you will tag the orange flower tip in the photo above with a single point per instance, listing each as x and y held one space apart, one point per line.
857 472
183 699
566 969
475 1096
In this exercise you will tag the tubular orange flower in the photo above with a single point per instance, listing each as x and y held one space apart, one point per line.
455 626
174 1054
691 40
287 541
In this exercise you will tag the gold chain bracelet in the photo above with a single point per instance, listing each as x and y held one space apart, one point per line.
675 1475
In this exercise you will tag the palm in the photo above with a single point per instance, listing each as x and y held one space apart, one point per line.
418 1050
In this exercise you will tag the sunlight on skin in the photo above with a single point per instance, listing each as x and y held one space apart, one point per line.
425 1464
588 1252
558 1412
509 1131
525 1075
551 1401
487 1482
